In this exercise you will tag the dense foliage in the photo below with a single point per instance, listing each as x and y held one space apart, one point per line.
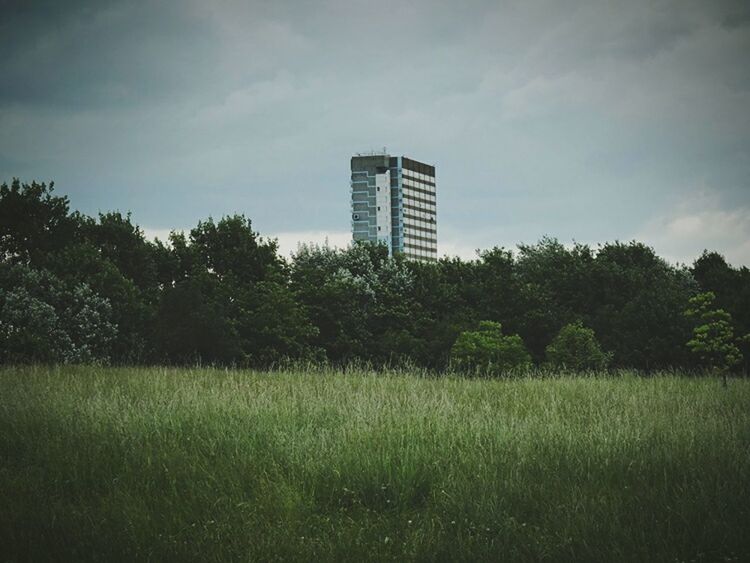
44 319
489 351
713 336
75 288
575 347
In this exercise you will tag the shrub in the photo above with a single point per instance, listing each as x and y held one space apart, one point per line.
713 336
575 347
487 350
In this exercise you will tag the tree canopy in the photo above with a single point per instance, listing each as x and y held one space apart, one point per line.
79 289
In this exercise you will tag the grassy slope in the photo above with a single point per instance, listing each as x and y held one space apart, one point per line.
214 465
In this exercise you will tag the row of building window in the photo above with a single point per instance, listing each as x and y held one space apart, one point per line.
406 181
364 175
418 199
421 208
420 216
422 228
417 177
419 231
431 242
419 188
425 227
417 174
363 210
418 203
413 194
417 166
420 248
419 195
409 221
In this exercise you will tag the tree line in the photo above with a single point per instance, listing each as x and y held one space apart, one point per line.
81 289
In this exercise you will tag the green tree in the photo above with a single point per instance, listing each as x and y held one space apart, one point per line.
338 288
575 347
446 301
498 286
713 336
231 247
122 242
109 255
362 303
487 350
227 299
193 324
271 324
44 319
133 309
637 306
33 222
554 287
732 289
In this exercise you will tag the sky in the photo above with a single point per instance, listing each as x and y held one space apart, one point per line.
585 121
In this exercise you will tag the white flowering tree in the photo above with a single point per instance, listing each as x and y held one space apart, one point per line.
43 319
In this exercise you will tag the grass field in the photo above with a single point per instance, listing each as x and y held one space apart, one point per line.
210 465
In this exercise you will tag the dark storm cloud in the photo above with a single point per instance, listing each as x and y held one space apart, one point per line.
584 120
109 53
739 17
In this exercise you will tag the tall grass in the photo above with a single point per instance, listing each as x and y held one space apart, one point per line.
213 465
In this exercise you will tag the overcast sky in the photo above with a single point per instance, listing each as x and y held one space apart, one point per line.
587 121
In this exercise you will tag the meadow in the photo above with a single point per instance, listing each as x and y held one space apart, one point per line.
112 464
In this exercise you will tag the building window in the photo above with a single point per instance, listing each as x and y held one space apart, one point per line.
378 208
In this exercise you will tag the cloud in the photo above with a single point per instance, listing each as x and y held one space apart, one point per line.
572 119
290 241
698 224
248 101
161 234
460 249
84 55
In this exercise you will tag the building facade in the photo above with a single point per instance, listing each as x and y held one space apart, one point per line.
394 202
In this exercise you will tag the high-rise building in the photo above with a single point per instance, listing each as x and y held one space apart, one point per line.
393 202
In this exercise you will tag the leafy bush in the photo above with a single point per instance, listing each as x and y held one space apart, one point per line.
43 319
713 336
488 351
575 347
